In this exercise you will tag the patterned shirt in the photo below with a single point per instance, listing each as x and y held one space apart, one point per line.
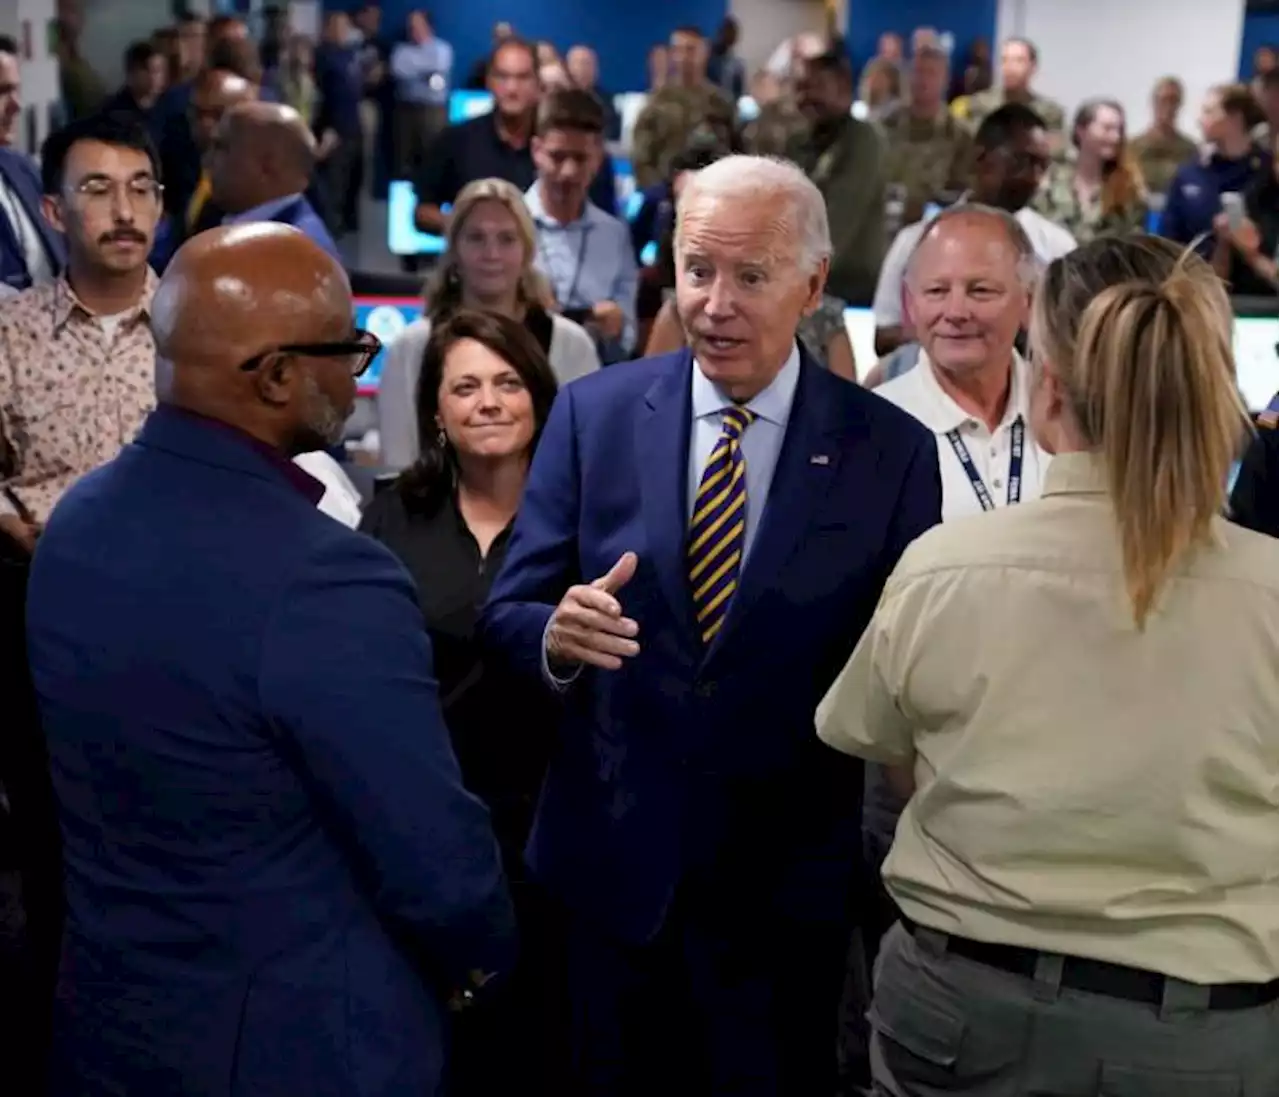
1160 157
929 157
74 389
1060 201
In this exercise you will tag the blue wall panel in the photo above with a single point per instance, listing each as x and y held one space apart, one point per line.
965 19
1259 30
622 33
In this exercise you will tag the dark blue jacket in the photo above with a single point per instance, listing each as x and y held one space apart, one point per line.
273 873
693 764
1195 195
19 173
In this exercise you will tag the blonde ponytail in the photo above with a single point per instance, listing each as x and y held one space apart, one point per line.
1147 364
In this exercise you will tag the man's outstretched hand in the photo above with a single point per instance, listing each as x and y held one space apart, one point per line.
588 628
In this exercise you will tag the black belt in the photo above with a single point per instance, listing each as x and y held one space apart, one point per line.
1098 976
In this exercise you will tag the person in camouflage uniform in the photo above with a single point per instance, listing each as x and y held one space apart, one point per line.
927 151
1097 189
776 129
1163 149
1018 61
686 111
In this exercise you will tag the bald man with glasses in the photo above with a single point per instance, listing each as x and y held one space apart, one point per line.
275 880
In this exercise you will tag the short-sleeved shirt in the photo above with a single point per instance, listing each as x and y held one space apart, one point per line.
991 451
1083 786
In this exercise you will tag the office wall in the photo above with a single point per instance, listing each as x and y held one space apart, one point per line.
28 22
621 33
109 27
964 19
1119 48
765 24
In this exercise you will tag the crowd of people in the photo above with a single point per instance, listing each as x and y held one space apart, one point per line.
689 706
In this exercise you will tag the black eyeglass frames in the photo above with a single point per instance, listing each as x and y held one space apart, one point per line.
362 348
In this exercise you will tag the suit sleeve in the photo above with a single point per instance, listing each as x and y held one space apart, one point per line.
542 559
347 682
1254 495
920 504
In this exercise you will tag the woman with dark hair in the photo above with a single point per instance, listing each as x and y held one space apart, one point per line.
1098 190
483 396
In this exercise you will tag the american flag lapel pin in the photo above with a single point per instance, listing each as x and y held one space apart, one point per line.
819 459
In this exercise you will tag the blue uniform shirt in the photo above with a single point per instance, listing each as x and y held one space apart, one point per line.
1195 194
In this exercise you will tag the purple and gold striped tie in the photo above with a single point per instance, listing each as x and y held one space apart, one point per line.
717 533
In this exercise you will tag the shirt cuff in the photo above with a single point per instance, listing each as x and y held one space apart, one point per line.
558 682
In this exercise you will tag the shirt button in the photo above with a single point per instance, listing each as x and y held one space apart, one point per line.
995 452
971 425
997 483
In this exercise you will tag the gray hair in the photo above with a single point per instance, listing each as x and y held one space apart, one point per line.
737 177
1029 265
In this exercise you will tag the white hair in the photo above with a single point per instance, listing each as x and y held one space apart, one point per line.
1029 265
739 177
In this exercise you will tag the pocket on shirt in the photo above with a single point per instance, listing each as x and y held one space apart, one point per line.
48 432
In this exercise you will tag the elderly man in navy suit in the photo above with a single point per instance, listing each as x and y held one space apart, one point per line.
274 876
702 540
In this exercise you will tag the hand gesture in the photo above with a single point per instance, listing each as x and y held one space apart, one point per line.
588 627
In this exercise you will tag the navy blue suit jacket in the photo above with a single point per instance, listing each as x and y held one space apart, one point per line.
704 765
273 872
23 179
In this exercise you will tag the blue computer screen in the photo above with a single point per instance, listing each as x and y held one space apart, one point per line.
385 317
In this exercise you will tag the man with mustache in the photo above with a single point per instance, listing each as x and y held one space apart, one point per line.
77 359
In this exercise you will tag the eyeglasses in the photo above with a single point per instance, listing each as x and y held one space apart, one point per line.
101 192
362 348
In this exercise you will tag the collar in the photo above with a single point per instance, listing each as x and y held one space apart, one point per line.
266 211
66 304
940 413
1075 474
773 404
591 213
302 481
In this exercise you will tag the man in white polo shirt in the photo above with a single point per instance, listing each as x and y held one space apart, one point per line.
968 293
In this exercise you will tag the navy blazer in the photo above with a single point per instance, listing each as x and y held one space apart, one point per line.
693 764
273 873
23 179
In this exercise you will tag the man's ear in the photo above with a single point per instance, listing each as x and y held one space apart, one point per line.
52 210
275 380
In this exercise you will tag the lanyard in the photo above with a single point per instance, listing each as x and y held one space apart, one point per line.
565 300
1017 438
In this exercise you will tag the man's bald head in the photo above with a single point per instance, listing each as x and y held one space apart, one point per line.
236 295
260 152
214 92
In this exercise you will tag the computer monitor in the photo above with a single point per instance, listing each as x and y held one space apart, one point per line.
403 236
861 327
1257 352
465 105
385 317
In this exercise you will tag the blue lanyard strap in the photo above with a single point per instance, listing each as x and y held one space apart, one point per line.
564 299
1017 439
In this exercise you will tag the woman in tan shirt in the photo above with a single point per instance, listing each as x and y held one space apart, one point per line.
1083 691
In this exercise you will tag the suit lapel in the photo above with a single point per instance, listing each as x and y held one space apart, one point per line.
662 456
806 469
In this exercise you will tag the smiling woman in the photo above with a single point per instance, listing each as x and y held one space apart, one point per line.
483 397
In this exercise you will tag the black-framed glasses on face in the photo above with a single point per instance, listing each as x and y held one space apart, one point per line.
362 348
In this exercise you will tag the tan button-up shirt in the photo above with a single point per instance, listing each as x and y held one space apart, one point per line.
1081 787
74 389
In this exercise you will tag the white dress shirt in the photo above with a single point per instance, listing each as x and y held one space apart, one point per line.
761 441
341 500
991 451
39 268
